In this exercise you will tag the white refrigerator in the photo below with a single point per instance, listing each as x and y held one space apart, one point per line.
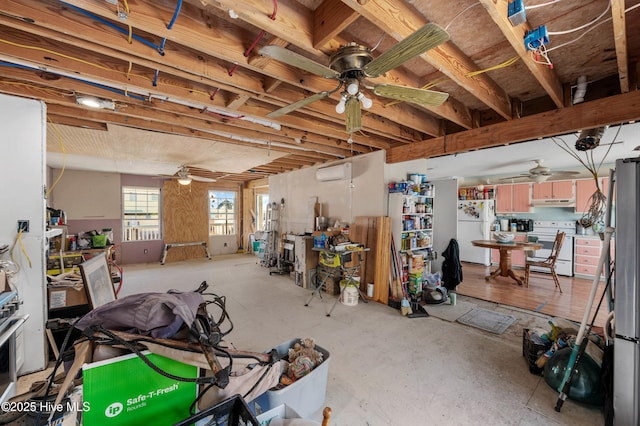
474 223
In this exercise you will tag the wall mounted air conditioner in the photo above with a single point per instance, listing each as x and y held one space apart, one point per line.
338 172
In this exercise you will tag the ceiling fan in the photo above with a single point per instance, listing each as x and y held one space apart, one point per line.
184 176
540 173
351 64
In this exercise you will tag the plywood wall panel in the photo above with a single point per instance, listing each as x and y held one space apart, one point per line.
185 218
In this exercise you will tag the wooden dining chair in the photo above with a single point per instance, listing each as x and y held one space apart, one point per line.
549 262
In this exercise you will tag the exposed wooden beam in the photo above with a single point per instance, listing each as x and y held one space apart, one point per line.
289 26
545 75
237 101
612 110
329 20
620 39
399 20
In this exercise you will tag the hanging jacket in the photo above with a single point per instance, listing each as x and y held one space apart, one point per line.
451 267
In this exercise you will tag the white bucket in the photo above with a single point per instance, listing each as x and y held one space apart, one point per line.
416 178
350 296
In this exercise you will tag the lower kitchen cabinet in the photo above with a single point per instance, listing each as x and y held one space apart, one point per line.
587 255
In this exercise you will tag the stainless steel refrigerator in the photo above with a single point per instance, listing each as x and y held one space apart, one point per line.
626 376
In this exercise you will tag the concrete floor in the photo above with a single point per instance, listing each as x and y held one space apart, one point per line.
385 369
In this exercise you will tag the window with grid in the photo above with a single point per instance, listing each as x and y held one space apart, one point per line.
140 214
222 213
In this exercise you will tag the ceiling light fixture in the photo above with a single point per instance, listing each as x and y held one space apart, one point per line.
589 139
95 102
184 181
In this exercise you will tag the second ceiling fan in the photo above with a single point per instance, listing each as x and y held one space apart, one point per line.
351 64
540 173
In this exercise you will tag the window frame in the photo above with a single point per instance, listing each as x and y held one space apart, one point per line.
234 214
157 233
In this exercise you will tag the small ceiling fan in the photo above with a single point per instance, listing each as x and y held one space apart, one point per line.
184 176
351 64
540 173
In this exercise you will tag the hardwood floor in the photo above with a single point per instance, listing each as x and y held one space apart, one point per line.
540 296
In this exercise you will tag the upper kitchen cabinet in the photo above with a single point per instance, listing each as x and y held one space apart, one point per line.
513 198
585 189
559 190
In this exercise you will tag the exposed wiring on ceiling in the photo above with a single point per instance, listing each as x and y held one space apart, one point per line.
379 41
127 10
582 26
541 52
598 201
535 6
101 67
459 14
248 51
114 26
34 86
629 9
501 65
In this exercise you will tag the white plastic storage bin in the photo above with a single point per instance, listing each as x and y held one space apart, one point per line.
305 395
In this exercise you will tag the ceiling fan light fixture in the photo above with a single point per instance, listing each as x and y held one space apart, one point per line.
353 87
341 105
366 102
539 178
184 181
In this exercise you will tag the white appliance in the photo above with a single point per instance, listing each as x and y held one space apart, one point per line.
475 218
546 232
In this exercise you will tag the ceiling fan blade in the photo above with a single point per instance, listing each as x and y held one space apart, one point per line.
564 172
294 106
353 117
419 42
201 178
288 57
516 177
410 94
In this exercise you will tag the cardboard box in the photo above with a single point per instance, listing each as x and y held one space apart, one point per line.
64 297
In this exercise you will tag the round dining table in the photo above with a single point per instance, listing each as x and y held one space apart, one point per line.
505 268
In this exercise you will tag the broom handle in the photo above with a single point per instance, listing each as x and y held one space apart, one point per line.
594 285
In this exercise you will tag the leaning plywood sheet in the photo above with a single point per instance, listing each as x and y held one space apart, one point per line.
185 218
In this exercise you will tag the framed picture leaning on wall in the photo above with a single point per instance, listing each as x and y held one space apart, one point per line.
97 281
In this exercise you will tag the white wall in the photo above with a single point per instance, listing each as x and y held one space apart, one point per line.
22 170
88 195
342 200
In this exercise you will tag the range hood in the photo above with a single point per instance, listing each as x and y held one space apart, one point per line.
569 202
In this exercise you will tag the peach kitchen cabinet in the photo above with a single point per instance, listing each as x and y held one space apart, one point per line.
587 255
585 188
560 190
513 198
